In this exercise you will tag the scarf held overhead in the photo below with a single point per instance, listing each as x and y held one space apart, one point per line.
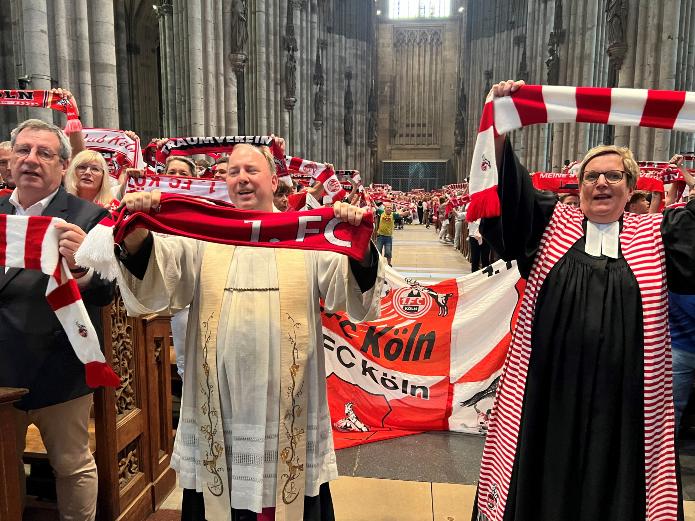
221 223
118 149
32 243
187 146
321 172
39 98
535 104
214 189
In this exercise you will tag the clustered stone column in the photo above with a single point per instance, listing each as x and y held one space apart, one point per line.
203 67
299 52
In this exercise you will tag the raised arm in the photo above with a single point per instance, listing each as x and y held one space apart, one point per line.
525 212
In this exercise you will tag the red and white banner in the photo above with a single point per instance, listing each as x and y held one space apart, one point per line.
431 362
119 150
215 189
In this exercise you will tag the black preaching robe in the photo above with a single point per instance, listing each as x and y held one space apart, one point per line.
580 453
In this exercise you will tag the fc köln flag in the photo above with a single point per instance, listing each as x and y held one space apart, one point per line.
431 362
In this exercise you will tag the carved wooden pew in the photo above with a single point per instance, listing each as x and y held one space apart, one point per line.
133 423
131 433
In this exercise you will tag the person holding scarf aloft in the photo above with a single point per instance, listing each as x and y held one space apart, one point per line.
582 427
251 307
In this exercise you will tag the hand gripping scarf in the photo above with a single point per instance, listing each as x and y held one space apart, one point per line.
118 149
533 104
32 243
180 215
45 99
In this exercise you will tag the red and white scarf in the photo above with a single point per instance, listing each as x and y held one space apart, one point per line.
351 174
655 174
455 186
32 243
534 104
118 149
188 146
561 183
214 189
643 250
45 99
221 223
321 172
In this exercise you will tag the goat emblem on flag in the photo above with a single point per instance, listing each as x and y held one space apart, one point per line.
431 361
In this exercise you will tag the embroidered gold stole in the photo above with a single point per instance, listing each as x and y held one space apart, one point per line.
294 348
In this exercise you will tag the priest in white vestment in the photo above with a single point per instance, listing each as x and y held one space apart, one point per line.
241 476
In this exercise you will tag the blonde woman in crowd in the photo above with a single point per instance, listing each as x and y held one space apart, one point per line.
87 177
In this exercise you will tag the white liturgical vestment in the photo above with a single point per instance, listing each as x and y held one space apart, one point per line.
248 358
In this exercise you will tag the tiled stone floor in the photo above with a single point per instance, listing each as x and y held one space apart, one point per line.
431 476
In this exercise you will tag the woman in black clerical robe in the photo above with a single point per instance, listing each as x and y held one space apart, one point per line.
580 454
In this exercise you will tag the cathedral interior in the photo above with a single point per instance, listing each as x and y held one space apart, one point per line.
391 88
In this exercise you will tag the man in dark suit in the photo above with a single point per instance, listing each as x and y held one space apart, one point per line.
35 352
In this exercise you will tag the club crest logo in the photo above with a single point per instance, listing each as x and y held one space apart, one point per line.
333 185
82 329
411 302
311 168
485 164
492 497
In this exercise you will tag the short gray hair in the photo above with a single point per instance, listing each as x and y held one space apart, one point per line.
65 151
5 145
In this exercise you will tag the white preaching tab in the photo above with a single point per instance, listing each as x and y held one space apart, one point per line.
602 239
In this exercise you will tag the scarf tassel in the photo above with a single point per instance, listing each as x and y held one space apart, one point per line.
100 374
72 126
97 250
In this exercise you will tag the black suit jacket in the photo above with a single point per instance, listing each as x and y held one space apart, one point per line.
34 350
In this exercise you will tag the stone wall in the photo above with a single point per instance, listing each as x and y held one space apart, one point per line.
67 43
417 79
203 67
621 43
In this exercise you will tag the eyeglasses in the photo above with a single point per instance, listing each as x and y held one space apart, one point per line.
42 153
611 176
93 168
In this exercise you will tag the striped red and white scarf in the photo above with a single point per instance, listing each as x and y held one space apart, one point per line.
534 104
44 99
642 247
222 223
32 243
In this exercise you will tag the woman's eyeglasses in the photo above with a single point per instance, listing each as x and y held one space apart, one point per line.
611 176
